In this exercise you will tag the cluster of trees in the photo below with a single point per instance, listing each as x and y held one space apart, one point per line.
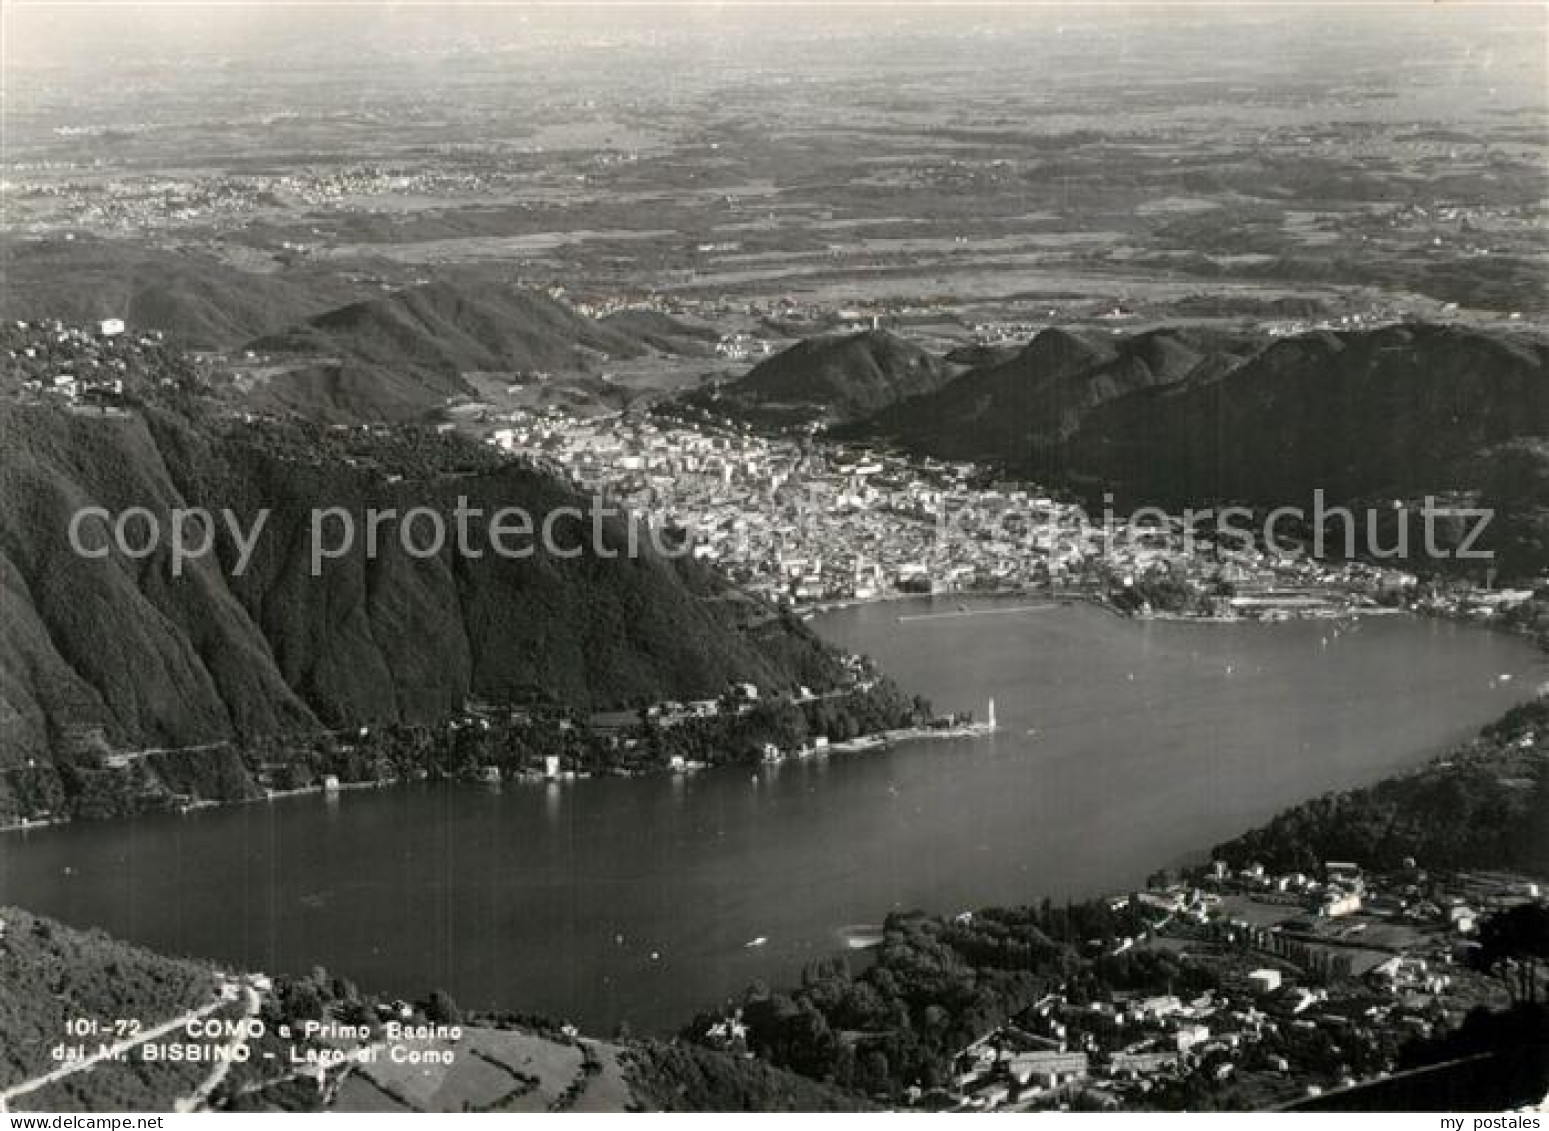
514 745
27 790
937 985
85 786
413 452
1531 618
404 751
263 1082
1171 591
784 723
1514 945
682 1076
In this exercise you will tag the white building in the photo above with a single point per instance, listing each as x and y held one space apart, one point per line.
1340 903
1463 919
1188 1036
1265 981
1048 1069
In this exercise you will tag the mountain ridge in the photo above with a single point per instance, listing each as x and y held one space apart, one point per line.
1017 409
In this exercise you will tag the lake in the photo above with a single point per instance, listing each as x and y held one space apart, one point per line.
1123 746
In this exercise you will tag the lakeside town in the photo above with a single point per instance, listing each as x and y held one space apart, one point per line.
1317 983
806 523
1284 986
1320 979
809 524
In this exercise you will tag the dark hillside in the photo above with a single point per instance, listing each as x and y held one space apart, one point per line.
403 354
840 376
1486 805
1386 411
51 974
197 300
1187 418
99 654
662 332
1019 410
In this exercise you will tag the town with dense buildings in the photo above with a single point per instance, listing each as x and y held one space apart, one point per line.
1317 983
1246 987
808 523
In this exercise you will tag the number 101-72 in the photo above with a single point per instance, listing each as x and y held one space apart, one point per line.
91 1027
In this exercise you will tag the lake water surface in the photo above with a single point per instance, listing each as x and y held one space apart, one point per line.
1124 746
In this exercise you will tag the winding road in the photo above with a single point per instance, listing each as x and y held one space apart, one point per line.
118 1049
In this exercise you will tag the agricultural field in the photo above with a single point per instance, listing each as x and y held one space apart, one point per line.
503 1070
1023 162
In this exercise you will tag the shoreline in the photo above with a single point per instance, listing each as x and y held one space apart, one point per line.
864 743
1279 614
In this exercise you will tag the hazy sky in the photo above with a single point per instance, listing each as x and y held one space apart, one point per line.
47 30
54 53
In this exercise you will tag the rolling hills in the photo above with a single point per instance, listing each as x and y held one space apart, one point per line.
402 354
196 299
839 377
328 342
662 332
1181 417
1018 409
1388 411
